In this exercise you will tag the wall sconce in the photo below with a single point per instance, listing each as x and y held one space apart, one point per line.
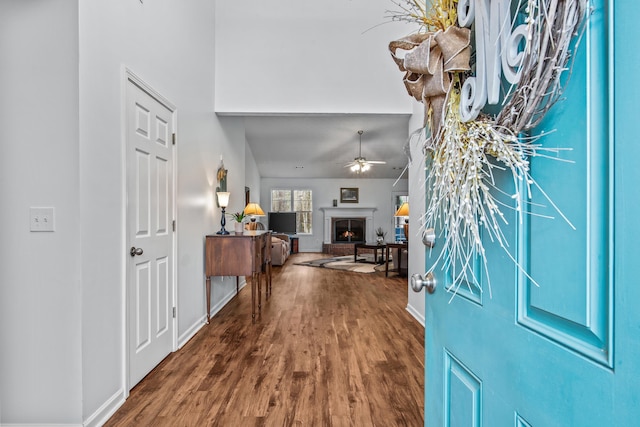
223 201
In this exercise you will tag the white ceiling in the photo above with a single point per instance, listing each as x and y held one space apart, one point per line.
318 146
306 76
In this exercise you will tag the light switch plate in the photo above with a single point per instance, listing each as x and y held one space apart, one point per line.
42 219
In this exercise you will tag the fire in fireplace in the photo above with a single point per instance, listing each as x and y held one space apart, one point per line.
348 230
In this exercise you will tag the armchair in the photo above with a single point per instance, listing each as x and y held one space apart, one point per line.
280 249
254 225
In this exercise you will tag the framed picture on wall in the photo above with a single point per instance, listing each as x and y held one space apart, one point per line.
349 195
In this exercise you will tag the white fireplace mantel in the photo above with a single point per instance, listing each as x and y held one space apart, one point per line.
345 212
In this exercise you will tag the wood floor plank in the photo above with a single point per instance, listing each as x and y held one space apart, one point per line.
331 348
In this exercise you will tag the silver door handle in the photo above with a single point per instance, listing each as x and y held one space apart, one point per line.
135 251
429 237
417 282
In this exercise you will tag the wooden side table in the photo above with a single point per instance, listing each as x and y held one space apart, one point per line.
294 244
246 254
374 248
400 247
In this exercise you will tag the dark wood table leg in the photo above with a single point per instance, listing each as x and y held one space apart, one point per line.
208 298
253 299
237 284
265 272
258 277
386 263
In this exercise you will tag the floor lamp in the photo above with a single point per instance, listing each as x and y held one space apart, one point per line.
403 211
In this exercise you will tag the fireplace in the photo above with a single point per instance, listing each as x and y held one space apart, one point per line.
348 230
340 212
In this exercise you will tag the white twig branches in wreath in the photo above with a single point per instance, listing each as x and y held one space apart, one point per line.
526 42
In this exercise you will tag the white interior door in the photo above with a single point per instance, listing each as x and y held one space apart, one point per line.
149 133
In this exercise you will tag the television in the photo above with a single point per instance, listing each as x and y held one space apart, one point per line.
282 222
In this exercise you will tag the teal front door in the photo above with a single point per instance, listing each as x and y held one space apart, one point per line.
566 353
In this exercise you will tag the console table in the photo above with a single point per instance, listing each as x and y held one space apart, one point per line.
242 254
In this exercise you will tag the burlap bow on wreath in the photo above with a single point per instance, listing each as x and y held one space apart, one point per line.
429 59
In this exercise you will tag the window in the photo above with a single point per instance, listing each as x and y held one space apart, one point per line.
298 201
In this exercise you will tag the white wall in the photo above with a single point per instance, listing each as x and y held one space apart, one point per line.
40 320
169 45
61 301
203 139
326 56
372 193
252 176
417 204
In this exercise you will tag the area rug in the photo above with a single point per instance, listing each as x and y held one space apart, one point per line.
346 263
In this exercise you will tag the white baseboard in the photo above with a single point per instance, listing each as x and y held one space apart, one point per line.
189 333
415 314
98 418
216 308
193 329
40 425
105 412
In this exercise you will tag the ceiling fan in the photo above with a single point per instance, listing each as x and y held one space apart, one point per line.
360 164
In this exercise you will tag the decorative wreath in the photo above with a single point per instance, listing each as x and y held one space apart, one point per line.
533 39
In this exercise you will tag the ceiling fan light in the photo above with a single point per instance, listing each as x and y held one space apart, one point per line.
360 164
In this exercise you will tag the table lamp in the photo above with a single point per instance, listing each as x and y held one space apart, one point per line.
253 210
223 201
403 211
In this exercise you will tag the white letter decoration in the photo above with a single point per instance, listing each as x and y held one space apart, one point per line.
496 53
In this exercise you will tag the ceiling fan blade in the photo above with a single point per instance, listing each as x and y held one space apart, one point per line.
376 162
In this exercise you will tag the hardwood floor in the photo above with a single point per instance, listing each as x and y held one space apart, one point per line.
331 348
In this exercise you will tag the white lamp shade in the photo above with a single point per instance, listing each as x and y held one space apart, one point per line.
223 198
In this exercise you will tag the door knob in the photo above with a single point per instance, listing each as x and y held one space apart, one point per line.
429 237
135 251
417 282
